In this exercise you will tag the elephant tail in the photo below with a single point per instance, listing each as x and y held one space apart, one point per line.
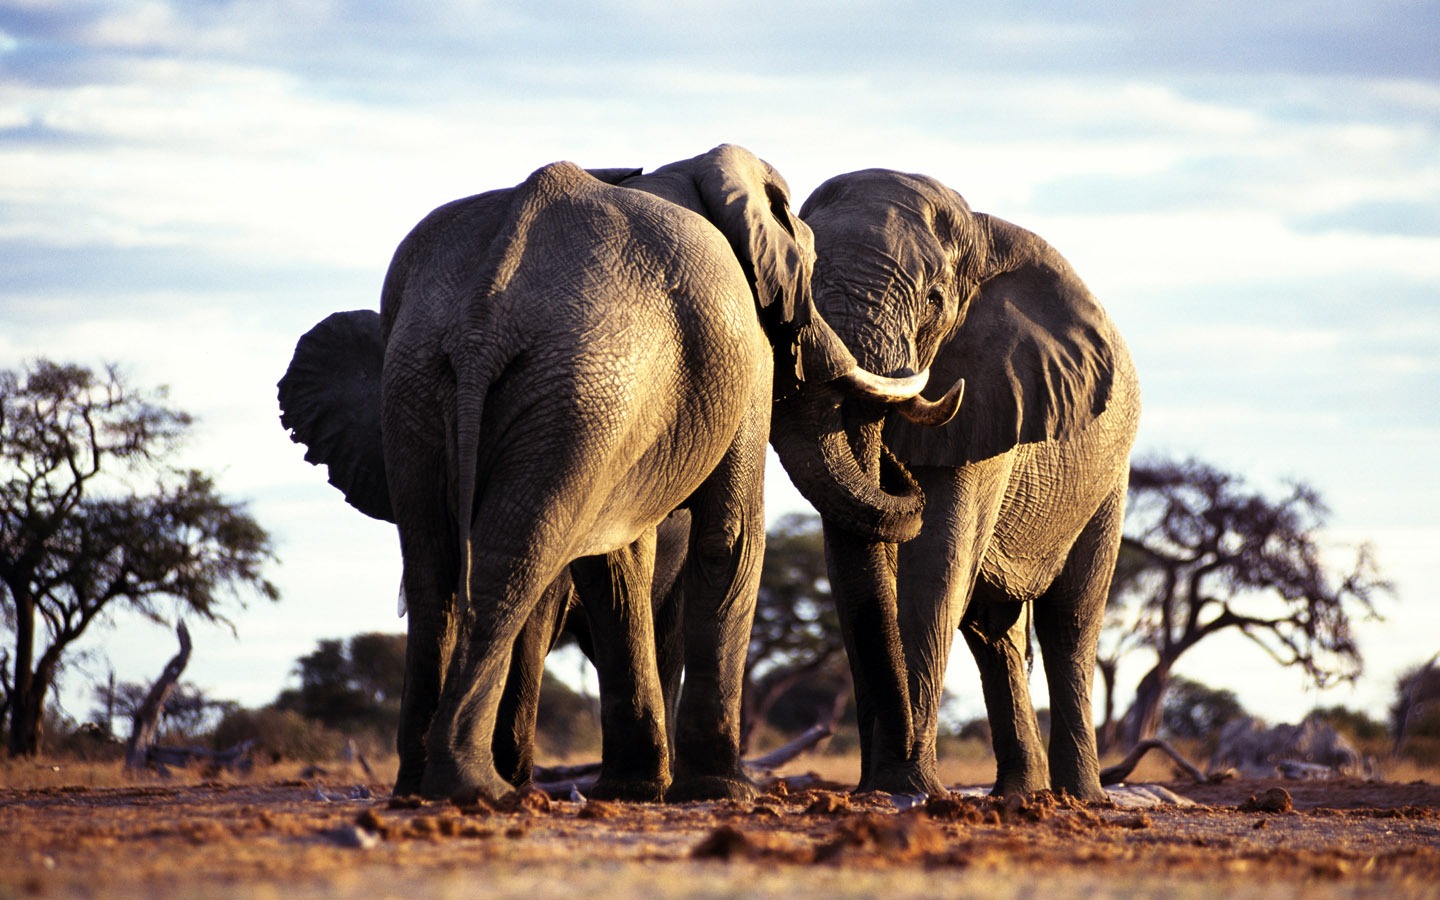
470 390
330 402
482 347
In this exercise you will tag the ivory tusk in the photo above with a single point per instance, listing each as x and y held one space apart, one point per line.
933 412
881 388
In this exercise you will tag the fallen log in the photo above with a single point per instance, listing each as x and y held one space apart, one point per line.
1120 771
145 724
233 759
783 754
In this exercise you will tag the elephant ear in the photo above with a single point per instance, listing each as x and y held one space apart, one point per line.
1036 350
330 402
749 202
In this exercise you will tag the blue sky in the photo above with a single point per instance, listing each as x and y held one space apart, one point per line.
1253 190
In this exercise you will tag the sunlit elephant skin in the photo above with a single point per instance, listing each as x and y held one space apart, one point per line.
564 364
330 396
1014 506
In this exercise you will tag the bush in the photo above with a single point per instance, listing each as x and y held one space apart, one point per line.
1421 744
1353 723
89 742
279 734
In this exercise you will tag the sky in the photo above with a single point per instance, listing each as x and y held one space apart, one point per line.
1251 189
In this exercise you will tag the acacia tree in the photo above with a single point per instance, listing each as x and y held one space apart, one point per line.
93 521
1217 555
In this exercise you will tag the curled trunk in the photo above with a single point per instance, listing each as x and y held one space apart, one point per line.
833 453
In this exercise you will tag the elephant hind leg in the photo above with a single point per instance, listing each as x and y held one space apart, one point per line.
514 741
996 629
506 587
719 581
615 592
1067 624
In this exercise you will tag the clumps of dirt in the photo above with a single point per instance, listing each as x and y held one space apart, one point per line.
831 827
1275 800
827 803
423 827
906 837
726 843
1136 822
962 810
1013 809
600 809
531 801
1401 812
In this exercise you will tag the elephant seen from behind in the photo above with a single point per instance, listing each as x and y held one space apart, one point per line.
1013 507
563 364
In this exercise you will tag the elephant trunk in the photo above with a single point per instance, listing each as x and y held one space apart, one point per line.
834 454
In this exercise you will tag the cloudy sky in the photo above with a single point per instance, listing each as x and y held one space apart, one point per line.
1252 190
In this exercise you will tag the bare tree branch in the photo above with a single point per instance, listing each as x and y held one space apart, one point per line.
1216 543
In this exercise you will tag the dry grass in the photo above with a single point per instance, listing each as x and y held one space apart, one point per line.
966 763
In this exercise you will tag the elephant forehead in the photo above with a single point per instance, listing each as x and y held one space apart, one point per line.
877 238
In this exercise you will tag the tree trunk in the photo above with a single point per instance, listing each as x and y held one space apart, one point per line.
1109 730
147 717
1143 719
27 697
27 719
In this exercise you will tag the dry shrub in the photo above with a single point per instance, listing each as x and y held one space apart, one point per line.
280 734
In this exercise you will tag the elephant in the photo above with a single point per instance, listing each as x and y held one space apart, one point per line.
1010 511
330 401
565 363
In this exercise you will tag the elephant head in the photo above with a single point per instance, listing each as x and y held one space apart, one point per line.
911 278
749 202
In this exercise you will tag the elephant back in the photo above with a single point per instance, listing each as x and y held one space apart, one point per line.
330 402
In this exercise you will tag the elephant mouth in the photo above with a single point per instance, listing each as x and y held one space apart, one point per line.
832 449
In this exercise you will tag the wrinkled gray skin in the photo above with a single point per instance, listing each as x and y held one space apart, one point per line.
1013 506
564 364
330 399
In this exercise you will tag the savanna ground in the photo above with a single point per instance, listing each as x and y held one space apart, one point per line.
85 829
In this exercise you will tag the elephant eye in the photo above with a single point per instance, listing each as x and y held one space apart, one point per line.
936 299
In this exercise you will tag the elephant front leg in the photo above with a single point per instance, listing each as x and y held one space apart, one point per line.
1067 623
429 644
937 584
615 593
862 582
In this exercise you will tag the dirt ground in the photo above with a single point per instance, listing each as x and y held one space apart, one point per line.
328 836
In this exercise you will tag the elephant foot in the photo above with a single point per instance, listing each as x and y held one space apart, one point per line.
412 771
712 787
1012 784
1084 789
904 780
449 780
629 790
406 786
